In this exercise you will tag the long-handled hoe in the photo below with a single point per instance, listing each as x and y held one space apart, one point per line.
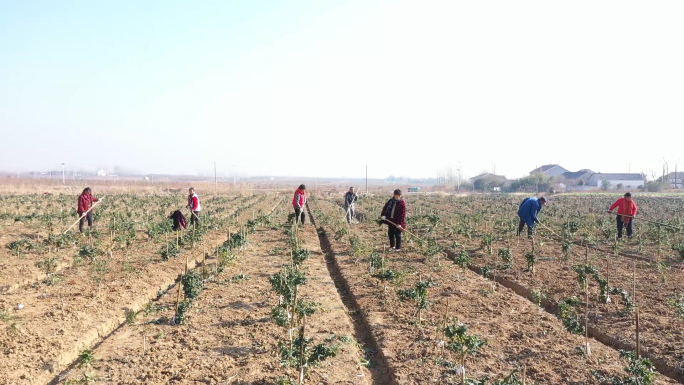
397 226
645 220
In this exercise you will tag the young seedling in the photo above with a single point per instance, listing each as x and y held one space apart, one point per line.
376 262
170 251
130 316
192 284
299 256
389 275
538 296
463 344
302 353
99 269
583 271
662 269
86 357
626 298
89 252
487 271
20 246
487 242
507 257
48 265
463 259
567 312
419 294
531 258
183 308
433 249
677 304
679 248
640 371
566 247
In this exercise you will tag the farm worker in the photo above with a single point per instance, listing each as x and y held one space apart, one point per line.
627 210
85 205
299 202
528 211
194 206
179 221
394 215
349 198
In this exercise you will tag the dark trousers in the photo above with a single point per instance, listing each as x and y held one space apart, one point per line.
621 225
89 218
350 213
299 215
394 237
194 217
520 229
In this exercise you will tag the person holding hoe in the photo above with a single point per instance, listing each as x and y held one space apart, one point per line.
627 210
349 198
194 206
299 202
85 206
394 215
528 211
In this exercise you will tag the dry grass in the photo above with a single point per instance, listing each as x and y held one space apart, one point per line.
13 185
101 187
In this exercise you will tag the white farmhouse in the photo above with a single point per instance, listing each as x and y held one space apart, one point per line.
549 170
675 179
101 173
627 181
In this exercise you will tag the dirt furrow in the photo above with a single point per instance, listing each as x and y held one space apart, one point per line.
362 328
519 332
55 325
230 336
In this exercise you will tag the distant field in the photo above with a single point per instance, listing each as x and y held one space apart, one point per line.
133 301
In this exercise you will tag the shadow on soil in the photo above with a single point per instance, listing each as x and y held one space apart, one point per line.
380 373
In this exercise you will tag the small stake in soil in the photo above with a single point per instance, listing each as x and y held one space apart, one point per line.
636 304
587 349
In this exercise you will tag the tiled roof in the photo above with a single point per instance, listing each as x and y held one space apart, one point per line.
604 176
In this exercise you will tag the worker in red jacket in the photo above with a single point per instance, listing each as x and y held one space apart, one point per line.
394 215
627 210
194 206
85 205
299 202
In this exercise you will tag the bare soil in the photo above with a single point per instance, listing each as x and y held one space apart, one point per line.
230 337
519 333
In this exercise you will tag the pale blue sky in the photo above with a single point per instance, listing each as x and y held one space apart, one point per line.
322 88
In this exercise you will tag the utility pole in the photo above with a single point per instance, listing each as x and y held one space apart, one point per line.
675 176
458 177
366 179
63 181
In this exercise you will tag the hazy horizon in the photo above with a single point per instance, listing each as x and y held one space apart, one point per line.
322 89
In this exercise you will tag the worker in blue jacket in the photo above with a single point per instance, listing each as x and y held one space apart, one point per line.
528 210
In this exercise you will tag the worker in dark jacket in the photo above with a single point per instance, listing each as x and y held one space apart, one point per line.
299 203
349 198
179 221
85 205
394 215
528 211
